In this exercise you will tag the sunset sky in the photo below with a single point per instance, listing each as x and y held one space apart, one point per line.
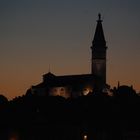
38 34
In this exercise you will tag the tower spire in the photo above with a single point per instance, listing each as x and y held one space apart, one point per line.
98 66
99 33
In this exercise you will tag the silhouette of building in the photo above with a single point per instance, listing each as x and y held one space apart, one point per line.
99 48
77 85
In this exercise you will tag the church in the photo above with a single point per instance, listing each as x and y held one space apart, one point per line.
71 86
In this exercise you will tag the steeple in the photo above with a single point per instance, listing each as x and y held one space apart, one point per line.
98 64
99 38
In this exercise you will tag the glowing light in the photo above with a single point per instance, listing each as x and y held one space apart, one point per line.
87 90
85 137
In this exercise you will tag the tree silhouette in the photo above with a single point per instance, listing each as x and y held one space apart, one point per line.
3 99
125 91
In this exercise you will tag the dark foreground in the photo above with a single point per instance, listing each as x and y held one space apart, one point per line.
85 118
67 132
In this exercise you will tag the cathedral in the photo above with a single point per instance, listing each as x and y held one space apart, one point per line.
69 86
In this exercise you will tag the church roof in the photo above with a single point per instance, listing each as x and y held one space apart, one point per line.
65 80
49 75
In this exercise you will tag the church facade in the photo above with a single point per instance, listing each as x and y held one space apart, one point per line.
77 85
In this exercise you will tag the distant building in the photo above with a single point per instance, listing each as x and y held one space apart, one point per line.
78 85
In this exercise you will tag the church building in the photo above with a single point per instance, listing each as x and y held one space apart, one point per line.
70 86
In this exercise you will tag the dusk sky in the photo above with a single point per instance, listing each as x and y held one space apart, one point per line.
38 34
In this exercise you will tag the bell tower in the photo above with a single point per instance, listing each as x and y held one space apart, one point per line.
98 48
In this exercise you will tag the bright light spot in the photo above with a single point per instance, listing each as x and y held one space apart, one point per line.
87 90
85 137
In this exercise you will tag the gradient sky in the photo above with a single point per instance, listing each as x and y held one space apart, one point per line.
36 34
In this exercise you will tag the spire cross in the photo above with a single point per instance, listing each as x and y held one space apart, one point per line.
99 15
